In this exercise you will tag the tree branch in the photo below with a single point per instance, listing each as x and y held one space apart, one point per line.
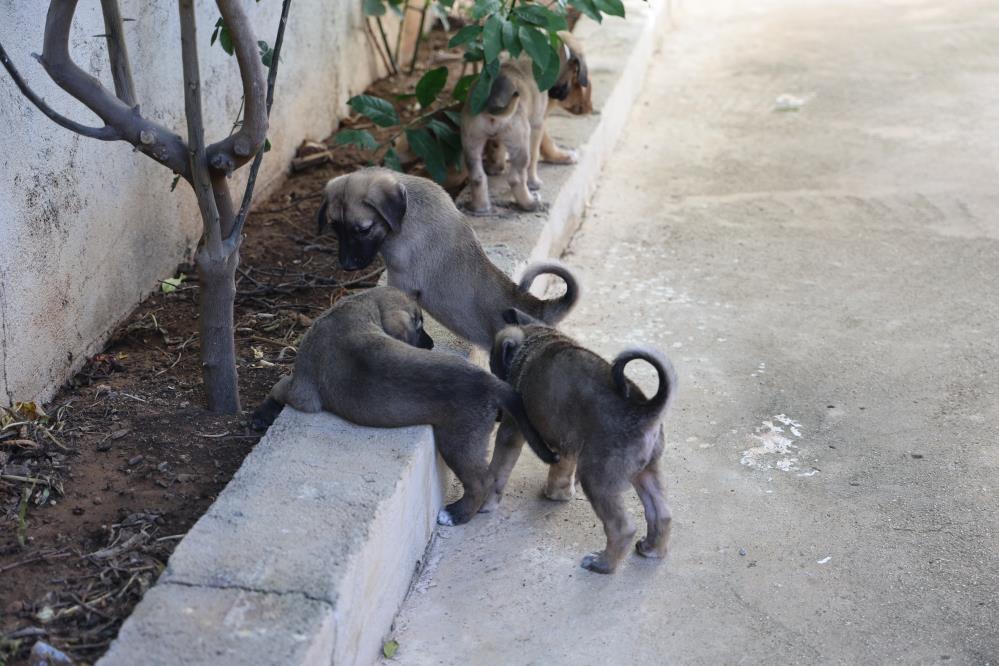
151 138
233 239
200 179
237 149
121 70
102 133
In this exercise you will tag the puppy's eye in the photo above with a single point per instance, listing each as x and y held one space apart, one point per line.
366 227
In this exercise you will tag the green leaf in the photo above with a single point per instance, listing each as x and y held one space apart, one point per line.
541 17
396 7
454 116
483 86
588 8
391 160
173 184
510 40
225 40
267 145
360 138
215 32
170 285
266 53
474 53
449 140
373 8
483 8
423 144
390 648
430 85
460 91
537 46
467 34
492 37
376 109
610 7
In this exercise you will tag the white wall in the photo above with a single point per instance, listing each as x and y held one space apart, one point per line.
87 228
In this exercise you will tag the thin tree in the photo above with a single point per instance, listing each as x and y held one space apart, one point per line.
206 167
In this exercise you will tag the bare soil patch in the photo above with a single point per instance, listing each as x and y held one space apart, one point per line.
95 495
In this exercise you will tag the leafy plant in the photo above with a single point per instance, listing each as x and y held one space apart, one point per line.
493 28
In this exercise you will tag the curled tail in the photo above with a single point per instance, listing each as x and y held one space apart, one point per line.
513 405
552 311
655 405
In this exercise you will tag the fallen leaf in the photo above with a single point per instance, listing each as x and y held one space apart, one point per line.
390 648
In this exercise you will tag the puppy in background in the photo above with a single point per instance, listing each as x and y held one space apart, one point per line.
600 424
514 121
367 360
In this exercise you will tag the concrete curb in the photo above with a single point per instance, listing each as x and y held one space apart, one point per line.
309 551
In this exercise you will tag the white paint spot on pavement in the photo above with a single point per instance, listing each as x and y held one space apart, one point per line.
823 560
775 449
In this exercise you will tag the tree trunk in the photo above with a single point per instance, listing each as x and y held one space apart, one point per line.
217 276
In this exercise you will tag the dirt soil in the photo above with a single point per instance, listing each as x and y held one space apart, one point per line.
95 494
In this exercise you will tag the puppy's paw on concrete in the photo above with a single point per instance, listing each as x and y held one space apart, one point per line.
560 494
480 211
534 184
566 157
445 518
649 550
597 563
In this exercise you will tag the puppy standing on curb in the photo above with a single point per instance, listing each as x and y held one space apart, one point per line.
514 120
600 424
431 253
366 360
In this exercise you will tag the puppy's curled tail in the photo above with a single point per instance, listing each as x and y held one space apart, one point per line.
513 405
554 311
655 405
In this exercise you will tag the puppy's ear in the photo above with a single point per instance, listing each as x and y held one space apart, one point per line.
321 216
519 318
388 196
510 346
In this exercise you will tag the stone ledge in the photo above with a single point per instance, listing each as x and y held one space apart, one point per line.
309 551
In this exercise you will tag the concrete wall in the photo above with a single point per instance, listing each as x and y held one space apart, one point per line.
87 228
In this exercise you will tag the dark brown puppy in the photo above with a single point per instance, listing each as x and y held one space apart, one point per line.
597 420
367 360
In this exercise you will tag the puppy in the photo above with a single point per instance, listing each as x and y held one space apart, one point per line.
514 118
597 420
431 253
367 360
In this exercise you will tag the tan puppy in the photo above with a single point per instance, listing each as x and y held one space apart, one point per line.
597 420
514 118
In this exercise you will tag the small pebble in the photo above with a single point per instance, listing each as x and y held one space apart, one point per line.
136 460
97 501
742 551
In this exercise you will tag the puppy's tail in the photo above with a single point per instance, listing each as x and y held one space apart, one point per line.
513 404
555 310
503 97
655 405
264 415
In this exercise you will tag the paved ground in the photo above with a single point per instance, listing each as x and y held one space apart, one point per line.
826 281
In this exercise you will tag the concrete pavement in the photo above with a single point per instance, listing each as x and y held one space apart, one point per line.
826 281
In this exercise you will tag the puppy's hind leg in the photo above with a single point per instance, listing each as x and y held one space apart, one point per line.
463 447
473 146
506 451
649 486
561 484
606 501
517 177
537 134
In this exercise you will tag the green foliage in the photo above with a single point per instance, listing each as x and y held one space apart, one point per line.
494 28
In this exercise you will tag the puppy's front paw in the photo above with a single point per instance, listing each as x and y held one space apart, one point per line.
534 184
597 563
647 549
571 157
445 518
480 210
